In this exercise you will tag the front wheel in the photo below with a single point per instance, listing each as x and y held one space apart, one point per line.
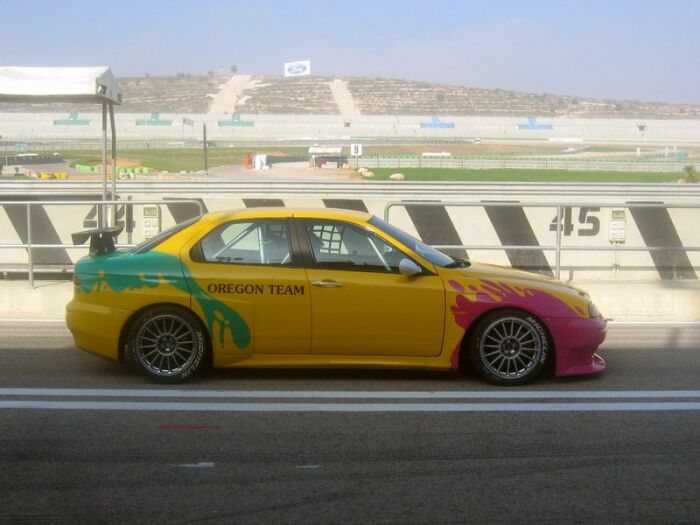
509 347
168 344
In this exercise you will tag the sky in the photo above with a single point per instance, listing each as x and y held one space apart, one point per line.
635 50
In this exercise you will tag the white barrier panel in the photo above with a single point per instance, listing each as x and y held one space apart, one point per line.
490 231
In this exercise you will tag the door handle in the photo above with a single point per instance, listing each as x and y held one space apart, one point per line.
327 284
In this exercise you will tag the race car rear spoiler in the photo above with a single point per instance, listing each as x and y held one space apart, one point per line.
101 239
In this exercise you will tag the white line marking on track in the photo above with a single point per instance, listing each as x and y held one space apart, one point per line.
348 407
654 323
9 320
348 394
614 323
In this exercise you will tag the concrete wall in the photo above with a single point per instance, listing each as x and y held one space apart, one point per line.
170 127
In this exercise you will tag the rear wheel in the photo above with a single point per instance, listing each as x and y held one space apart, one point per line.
509 347
168 344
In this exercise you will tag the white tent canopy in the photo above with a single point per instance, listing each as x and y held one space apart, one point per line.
70 84
59 84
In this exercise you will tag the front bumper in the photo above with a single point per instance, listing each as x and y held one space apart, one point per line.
576 341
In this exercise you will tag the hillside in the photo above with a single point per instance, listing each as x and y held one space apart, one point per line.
364 95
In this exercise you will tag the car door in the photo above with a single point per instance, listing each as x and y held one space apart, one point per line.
250 266
360 303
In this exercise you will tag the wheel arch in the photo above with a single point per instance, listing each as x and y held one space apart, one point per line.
469 332
129 324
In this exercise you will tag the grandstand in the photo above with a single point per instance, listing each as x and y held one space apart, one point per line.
319 95
385 96
296 95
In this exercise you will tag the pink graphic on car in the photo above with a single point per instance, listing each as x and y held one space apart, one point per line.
480 295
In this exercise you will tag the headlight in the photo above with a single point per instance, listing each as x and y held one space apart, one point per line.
593 311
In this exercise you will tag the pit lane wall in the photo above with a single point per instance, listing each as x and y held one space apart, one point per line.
501 218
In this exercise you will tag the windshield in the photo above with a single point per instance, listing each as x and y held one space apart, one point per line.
154 241
422 249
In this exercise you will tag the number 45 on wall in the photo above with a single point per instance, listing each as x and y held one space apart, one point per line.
589 224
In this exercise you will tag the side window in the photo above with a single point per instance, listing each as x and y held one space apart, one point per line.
248 242
346 246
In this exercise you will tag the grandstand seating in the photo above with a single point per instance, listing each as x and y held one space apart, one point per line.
179 94
296 95
184 94
385 96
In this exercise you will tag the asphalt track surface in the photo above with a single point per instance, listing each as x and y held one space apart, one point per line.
83 440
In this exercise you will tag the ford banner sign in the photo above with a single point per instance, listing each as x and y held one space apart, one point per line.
297 69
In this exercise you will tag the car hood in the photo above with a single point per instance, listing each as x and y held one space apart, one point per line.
526 279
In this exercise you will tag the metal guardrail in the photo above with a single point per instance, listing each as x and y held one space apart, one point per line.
190 141
668 166
30 246
358 189
558 248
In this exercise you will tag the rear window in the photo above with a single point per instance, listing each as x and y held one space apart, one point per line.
154 241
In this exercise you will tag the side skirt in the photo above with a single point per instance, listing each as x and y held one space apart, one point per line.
330 361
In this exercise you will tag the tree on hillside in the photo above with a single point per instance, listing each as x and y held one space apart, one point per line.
234 69
691 175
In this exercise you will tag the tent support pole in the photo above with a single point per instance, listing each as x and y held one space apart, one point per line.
103 209
114 163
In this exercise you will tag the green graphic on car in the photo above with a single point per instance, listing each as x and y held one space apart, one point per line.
152 269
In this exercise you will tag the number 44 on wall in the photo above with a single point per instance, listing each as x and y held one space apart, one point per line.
588 224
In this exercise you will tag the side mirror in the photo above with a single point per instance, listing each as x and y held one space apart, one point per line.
408 267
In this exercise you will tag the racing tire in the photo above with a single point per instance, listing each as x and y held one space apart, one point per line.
509 347
168 344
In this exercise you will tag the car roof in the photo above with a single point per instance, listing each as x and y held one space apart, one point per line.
274 212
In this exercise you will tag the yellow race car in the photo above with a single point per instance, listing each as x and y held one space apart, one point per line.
285 287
